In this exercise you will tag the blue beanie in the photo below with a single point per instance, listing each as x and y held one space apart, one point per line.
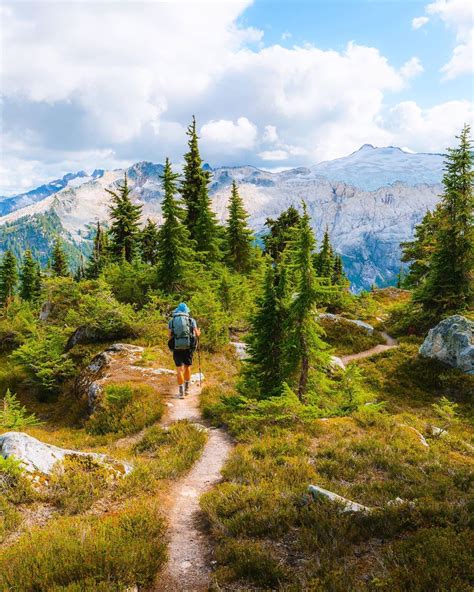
182 307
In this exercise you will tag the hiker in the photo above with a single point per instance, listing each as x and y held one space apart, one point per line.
183 336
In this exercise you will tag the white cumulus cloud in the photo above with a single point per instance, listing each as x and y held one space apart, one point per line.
419 22
241 134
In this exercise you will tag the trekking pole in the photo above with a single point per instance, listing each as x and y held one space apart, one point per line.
199 363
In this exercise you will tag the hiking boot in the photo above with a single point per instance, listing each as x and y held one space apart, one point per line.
181 391
186 387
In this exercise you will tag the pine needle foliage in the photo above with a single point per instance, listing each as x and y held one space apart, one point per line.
194 178
30 278
59 262
13 415
149 242
206 230
174 250
8 277
449 281
239 235
304 346
100 254
124 229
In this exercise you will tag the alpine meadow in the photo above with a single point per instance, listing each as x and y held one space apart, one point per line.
249 367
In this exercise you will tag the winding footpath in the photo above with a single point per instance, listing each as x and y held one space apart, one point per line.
390 343
189 565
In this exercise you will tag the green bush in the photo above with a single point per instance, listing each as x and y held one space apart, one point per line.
14 486
125 549
13 415
125 409
77 483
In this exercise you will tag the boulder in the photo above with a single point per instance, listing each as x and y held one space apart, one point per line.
336 362
240 349
346 504
38 457
451 342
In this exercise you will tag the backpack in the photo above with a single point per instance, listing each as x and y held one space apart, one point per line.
182 328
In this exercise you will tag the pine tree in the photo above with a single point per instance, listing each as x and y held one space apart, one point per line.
174 246
339 277
239 235
30 282
124 229
80 272
264 364
194 179
8 277
206 230
448 285
59 263
99 256
304 346
149 242
280 230
324 261
419 251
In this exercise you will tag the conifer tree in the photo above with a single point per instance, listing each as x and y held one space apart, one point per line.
448 285
80 272
265 363
304 346
324 260
149 242
174 246
99 256
206 230
124 229
194 179
280 231
419 251
59 263
339 277
239 235
8 277
30 282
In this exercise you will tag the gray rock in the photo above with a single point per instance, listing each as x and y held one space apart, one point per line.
336 318
346 504
45 311
451 342
240 349
336 362
38 457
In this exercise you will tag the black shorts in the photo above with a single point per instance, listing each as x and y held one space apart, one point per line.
183 357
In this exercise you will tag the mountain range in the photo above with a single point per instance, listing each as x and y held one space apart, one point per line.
370 202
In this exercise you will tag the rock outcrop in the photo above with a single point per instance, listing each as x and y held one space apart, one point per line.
38 457
336 318
451 342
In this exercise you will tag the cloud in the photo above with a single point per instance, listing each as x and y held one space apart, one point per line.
419 22
458 15
114 83
222 133
411 68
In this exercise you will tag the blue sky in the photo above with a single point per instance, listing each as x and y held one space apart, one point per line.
275 84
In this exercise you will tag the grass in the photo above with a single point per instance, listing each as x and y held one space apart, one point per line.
270 535
348 338
122 550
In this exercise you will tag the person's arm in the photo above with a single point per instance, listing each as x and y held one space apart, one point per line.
197 330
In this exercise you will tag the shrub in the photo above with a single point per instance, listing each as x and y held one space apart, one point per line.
124 550
13 415
14 486
44 360
125 409
77 483
348 338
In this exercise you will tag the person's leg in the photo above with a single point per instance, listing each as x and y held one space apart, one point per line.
180 374
187 378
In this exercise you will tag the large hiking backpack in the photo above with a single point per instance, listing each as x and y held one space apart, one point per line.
182 328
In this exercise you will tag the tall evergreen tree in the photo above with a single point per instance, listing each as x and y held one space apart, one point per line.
206 230
339 277
8 277
324 261
30 282
419 251
99 256
149 242
265 363
59 263
303 340
194 179
80 272
174 246
239 235
124 229
448 285
280 231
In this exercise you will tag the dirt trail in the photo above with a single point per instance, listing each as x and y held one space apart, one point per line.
189 567
390 343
